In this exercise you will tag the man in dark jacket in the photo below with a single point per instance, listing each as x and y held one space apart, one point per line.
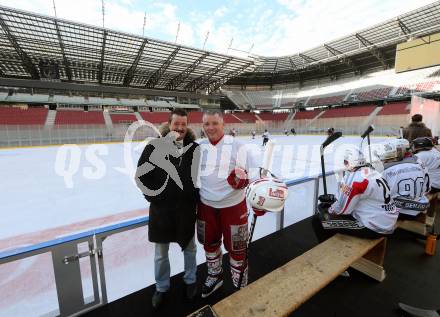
416 129
167 176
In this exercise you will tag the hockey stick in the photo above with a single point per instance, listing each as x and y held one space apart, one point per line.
264 171
327 142
418 312
367 134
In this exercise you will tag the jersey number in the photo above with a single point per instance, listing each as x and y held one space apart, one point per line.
411 188
386 190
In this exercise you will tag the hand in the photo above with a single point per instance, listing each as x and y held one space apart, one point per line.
329 198
238 178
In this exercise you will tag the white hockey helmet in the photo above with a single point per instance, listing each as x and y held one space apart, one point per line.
389 150
353 158
267 194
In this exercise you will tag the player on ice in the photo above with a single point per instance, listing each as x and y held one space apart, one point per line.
265 136
408 180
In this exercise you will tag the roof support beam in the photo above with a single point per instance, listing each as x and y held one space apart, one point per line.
27 62
294 67
177 80
157 75
65 60
101 65
306 58
403 27
213 86
130 72
272 78
203 80
373 50
344 59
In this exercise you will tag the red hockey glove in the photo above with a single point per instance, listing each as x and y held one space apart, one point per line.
238 178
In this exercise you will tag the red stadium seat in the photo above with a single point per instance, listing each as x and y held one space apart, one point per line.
16 116
155 117
394 109
79 117
306 114
356 111
122 118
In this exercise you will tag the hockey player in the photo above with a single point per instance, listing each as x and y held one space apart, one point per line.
222 211
265 137
363 206
407 179
253 135
429 156
424 150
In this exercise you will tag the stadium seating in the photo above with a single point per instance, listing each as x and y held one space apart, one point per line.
18 116
394 109
79 117
356 111
246 117
323 101
269 116
229 118
195 117
118 118
155 117
303 115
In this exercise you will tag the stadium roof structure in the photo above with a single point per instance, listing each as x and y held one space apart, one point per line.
34 46
41 48
368 48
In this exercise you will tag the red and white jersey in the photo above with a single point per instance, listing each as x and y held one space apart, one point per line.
407 179
366 196
217 162
431 161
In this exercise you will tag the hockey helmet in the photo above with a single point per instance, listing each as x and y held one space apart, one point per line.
267 194
388 151
422 143
353 158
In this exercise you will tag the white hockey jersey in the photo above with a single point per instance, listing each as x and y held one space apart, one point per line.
409 184
366 196
266 135
431 161
217 162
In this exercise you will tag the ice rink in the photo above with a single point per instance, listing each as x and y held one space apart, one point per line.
49 192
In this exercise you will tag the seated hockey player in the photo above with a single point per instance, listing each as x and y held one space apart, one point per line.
429 156
407 179
363 208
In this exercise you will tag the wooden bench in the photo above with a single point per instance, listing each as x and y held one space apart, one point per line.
422 224
283 290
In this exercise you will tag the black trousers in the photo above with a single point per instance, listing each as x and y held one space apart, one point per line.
325 229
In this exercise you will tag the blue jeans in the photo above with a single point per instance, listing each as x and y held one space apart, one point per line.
162 265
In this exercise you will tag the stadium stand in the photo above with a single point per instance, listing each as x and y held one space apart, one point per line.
229 118
269 116
195 117
155 117
396 108
323 101
356 111
246 117
79 117
18 116
118 118
304 115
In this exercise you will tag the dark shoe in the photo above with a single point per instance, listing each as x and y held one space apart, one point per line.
191 291
212 283
157 299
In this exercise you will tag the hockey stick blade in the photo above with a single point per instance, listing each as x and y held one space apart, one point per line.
331 139
414 311
368 131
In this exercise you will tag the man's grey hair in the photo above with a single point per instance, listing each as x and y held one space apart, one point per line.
213 112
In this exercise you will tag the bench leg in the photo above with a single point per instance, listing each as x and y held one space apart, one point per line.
371 263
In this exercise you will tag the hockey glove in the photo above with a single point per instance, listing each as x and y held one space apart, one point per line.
323 211
329 198
238 178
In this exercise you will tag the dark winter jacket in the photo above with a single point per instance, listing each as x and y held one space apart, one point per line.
172 213
416 130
